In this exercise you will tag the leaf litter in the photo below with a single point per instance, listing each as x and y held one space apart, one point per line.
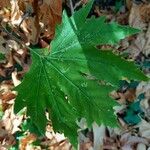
128 137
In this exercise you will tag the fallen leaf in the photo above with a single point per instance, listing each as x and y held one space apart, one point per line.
27 140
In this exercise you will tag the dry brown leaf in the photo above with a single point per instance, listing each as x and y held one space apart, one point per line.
144 87
8 126
6 86
4 3
41 20
2 72
27 140
144 129
123 97
141 146
86 146
145 12
140 18
16 14
46 14
15 79
50 15
6 98
129 4
99 135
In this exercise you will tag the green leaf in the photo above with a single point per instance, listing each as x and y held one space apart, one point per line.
2 56
119 4
74 80
134 111
95 31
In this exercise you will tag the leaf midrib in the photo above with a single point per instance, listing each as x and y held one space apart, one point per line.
72 83
42 58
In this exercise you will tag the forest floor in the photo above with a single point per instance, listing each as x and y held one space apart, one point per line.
133 115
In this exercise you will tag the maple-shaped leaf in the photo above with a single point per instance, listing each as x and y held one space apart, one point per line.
74 80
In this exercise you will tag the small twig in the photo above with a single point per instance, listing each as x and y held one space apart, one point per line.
57 143
2 28
77 4
28 13
71 7
23 18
